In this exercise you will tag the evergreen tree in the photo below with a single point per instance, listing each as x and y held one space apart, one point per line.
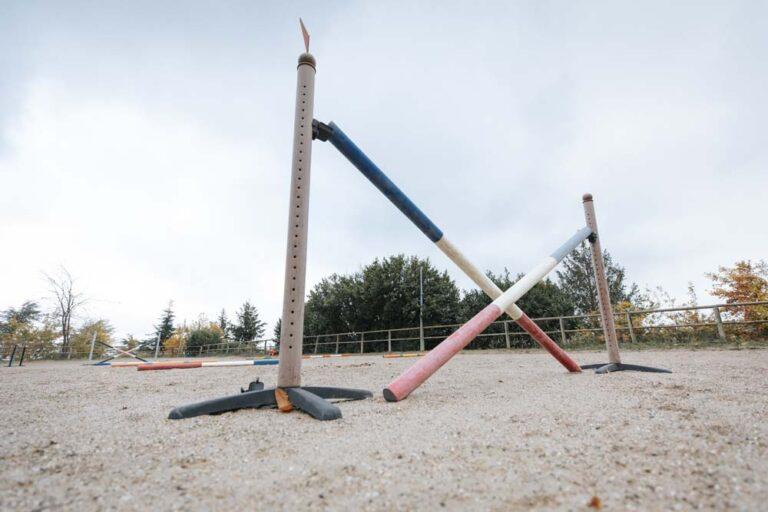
276 333
165 328
249 327
383 295
224 324
577 281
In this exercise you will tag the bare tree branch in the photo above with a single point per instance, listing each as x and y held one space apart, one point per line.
66 301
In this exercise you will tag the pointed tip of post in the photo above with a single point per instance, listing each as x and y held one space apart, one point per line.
586 197
304 34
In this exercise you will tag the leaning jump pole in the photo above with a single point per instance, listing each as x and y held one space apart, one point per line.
414 376
331 132
604 302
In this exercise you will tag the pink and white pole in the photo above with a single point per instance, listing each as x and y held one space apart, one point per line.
415 376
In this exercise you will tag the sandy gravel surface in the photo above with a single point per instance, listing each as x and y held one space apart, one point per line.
491 431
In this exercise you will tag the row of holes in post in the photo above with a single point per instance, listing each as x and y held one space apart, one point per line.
298 205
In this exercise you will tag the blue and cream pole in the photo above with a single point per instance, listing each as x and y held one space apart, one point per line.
292 324
339 139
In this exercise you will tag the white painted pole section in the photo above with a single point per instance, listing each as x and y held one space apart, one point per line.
528 281
603 295
480 279
292 326
93 343
246 362
157 346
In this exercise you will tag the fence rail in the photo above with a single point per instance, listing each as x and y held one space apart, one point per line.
682 324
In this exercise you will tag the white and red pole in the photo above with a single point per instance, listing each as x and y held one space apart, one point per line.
414 376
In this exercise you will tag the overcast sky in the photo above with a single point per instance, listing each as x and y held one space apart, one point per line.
146 145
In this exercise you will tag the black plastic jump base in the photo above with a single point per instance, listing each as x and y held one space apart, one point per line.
313 400
621 367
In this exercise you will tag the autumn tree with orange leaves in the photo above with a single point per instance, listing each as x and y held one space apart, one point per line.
744 282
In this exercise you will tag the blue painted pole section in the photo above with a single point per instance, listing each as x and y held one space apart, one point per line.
364 164
571 244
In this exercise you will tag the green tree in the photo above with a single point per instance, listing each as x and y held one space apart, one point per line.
746 281
201 336
382 295
577 281
164 329
28 313
224 325
543 300
27 326
276 332
81 339
249 327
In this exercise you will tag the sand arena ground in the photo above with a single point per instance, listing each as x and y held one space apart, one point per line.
490 431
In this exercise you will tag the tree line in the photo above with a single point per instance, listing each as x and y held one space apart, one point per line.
381 295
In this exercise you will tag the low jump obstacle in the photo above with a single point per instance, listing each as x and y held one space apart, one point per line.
289 392
183 365
128 353
402 386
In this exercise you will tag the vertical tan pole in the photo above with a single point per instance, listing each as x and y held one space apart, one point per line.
292 326
506 336
603 296
562 332
631 329
719 321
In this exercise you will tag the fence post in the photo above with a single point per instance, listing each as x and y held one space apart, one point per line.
719 321
506 335
93 343
389 341
631 329
337 343
317 340
562 331
157 346
362 340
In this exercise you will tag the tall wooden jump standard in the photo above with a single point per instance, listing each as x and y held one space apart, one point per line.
289 392
604 302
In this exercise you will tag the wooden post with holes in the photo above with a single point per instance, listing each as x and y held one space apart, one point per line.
603 295
292 327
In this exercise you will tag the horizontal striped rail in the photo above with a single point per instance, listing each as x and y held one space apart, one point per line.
394 356
387 187
425 367
183 365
